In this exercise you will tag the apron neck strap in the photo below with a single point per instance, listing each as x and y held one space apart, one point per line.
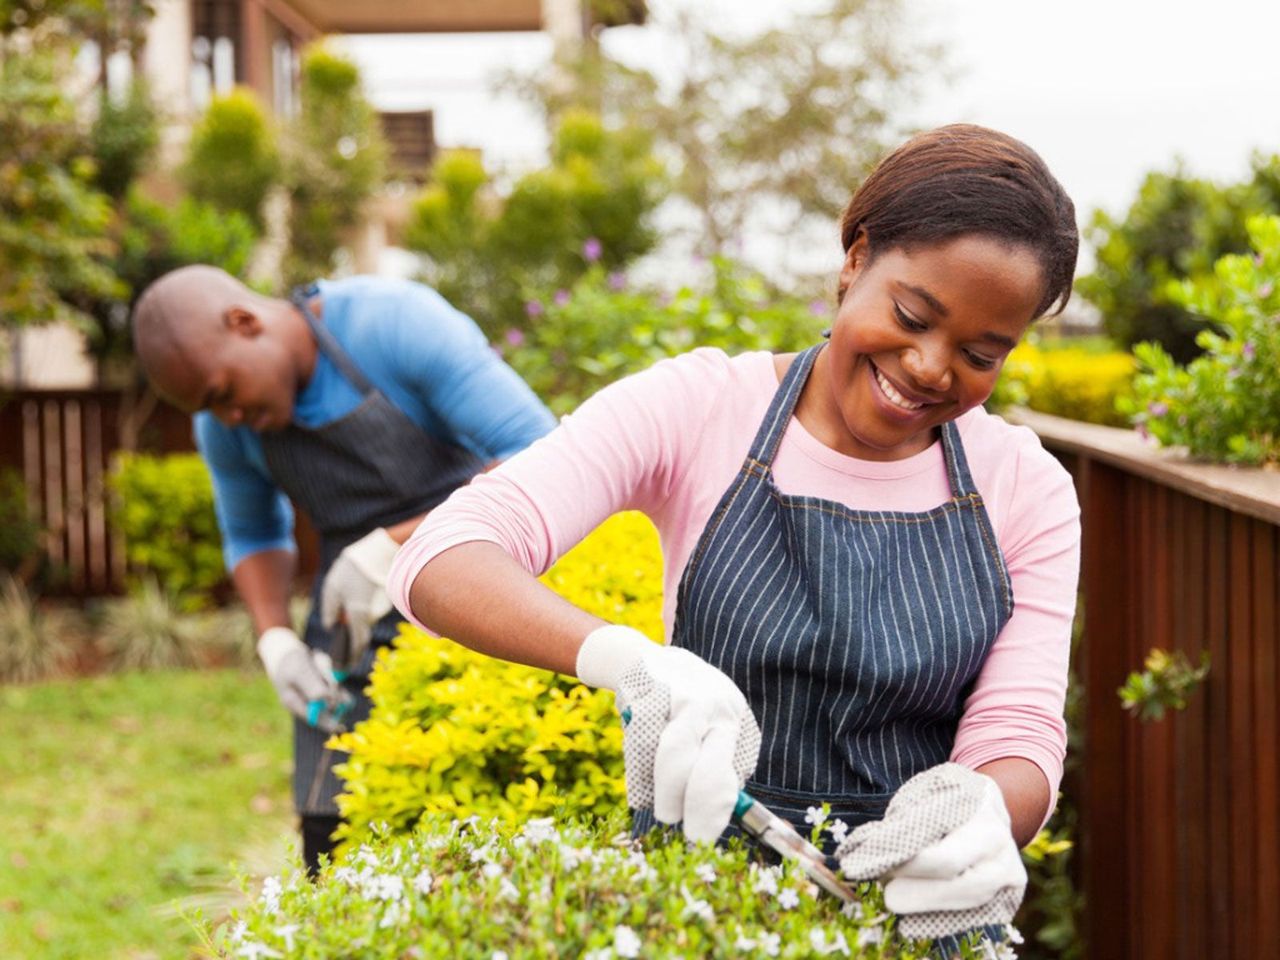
769 437
301 298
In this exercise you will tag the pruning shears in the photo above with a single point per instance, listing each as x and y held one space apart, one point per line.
329 712
769 829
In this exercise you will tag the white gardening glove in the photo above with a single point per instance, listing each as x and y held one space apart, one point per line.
966 868
355 590
690 740
303 679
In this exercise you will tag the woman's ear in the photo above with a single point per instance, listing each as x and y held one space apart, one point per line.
855 261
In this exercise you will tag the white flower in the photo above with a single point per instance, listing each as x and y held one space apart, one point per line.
998 951
771 943
491 870
422 882
540 830
625 942
346 875
238 931
870 936
706 872
766 882
383 886
818 940
1015 935
698 908
852 910
480 854
839 830
271 891
604 953
257 951
508 890
499 955
788 898
744 943
393 916
286 933
815 815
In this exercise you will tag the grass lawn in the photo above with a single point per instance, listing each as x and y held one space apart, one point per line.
127 799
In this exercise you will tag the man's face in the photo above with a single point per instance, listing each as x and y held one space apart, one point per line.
240 373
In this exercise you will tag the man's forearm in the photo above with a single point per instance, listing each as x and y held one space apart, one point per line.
1026 794
264 581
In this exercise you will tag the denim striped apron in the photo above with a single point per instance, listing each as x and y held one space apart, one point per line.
855 635
372 467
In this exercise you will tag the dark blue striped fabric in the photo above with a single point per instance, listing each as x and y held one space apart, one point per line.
855 634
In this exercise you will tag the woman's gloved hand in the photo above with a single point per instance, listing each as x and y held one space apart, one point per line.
303 678
690 740
946 852
355 589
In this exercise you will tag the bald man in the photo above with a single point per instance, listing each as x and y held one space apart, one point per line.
366 401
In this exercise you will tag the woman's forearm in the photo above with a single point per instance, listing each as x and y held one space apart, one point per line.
477 595
1026 794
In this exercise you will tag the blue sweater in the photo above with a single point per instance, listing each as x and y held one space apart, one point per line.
426 357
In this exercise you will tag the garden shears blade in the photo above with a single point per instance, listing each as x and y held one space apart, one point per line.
768 828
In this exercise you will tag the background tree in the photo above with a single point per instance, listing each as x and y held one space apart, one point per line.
1176 228
232 160
788 121
592 204
335 161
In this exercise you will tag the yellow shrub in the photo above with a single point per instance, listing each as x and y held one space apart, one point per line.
456 732
1071 382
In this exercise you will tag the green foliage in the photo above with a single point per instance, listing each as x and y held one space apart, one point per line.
335 160
232 160
19 531
123 139
164 510
52 220
481 890
1175 229
791 119
456 732
1224 405
148 631
1081 383
1048 918
34 641
127 798
1164 684
591 205
602 330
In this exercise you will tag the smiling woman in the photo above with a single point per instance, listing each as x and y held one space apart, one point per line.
867 575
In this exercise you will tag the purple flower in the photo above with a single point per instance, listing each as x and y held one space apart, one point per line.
515 337
617 280
1265 290
561 297
1248 351
534 308
592 249
818 308
1158 409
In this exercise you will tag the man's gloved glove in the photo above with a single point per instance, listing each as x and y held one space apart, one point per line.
356 588
946 849
690 740
304 680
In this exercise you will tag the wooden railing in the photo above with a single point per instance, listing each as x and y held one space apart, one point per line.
1180 818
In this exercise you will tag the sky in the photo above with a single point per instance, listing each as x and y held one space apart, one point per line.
1105 90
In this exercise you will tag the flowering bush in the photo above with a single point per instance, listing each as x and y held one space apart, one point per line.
603 329
1224 405
461 733
494 891
1078 382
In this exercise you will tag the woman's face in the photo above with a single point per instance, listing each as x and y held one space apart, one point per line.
919 338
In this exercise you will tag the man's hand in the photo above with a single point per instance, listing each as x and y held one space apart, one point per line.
355 590
690 740
303 677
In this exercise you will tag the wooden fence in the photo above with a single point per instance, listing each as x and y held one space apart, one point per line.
61 443
1180 819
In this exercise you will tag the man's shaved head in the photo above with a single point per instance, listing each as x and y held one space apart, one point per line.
206 341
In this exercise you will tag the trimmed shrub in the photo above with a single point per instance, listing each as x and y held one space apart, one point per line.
232 161
457 732
1080 383
164 509
482 891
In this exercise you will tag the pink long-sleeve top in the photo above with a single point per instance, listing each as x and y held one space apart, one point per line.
669 441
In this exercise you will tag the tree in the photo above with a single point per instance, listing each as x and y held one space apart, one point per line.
232 160
792 118
1177 227
335 160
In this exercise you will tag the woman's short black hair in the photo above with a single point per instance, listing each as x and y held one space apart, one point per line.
965 179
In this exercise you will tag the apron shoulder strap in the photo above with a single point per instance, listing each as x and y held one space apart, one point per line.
962 484
329 346
765 446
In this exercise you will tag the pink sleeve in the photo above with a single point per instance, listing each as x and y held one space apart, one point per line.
1016 707
621 450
